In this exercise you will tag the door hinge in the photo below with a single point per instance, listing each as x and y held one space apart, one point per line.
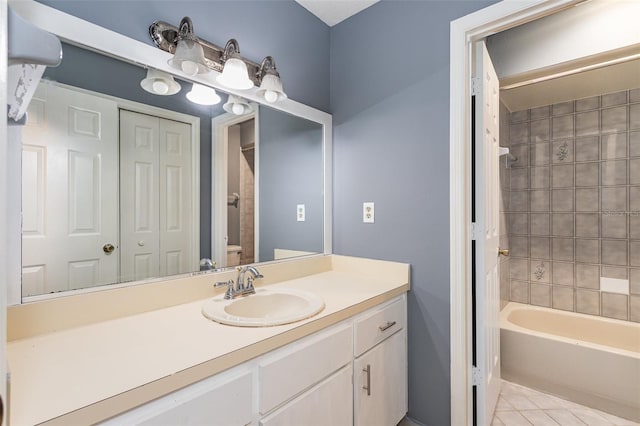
475 85
473 231
476 376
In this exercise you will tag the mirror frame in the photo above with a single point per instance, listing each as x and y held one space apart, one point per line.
82 33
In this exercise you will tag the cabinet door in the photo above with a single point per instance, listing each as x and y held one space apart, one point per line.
223 400
380 383
328 403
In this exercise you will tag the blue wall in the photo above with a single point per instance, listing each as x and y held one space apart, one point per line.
390 106
285 184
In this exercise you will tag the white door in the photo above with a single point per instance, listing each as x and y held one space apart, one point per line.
139 193
157 232
177 254
486 235
380 383
69 191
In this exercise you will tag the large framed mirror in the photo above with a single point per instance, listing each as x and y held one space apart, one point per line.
121 186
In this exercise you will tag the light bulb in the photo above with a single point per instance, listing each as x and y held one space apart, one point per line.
160 87
189 67
238 109
270 96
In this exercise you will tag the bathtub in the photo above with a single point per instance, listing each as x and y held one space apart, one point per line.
590 360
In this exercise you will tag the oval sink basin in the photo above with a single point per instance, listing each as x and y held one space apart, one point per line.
265 308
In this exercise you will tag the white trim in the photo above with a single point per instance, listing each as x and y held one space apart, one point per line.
8 269
465 31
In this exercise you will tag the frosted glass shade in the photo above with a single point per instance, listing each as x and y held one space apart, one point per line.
160 83
236 105
203 95
271 89
189 58
235 75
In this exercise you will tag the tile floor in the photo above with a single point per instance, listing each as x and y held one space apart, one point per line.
519 405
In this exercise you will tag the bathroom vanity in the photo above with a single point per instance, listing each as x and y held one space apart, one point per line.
97 344
73 361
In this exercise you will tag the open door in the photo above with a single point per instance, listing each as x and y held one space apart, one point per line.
486 282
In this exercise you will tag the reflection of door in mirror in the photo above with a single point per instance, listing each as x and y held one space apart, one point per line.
70 153
75 170
155 193
241 190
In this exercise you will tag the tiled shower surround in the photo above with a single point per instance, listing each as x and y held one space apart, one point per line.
574 204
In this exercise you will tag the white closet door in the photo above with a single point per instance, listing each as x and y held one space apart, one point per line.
70 191
176 228
157 237
139 203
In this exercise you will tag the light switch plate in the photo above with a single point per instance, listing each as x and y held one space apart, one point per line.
368 212
300 213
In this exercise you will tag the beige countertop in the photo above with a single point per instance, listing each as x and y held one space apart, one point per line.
90 372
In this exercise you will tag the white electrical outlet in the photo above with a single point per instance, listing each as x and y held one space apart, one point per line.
368 213
300 212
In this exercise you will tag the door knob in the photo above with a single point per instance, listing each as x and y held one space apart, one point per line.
108 248
503 252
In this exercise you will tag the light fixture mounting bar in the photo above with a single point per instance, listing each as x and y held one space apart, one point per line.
165 37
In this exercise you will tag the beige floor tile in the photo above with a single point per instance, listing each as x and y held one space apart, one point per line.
547 402
512 418
618 421
538 418
496 422
564 417
520 402
503 405
590 417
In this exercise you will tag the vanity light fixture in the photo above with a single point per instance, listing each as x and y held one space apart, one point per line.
160 83
189 55
237 105
235 74
270 84
203 95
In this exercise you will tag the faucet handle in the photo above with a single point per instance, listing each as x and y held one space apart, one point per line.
229 293
249 287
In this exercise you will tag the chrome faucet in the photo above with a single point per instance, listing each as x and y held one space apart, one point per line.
255 274
241 289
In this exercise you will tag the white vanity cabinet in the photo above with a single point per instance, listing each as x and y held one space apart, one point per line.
328 403
317 380
222 400
380 383
380 367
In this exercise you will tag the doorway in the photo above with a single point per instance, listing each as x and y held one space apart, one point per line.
464 33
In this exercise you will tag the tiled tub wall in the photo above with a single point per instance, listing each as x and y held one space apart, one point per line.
574 209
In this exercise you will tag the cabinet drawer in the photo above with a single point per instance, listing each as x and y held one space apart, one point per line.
378 325
301 365
329 403
224 399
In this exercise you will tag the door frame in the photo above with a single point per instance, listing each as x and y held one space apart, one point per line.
464 32
6 265
219 175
